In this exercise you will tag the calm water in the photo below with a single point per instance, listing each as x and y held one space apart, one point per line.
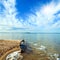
51 41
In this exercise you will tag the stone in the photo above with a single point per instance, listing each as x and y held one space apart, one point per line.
14 56
42 48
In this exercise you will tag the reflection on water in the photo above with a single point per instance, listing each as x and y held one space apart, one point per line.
51 41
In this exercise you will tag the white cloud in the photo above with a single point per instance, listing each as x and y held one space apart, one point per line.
56 25
45 16
8 18
43 20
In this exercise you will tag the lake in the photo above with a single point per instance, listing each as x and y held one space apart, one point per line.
50 40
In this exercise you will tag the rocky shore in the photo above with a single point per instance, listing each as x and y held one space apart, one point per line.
10 50
14 56
36 54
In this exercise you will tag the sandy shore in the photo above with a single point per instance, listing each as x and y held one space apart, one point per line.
8 46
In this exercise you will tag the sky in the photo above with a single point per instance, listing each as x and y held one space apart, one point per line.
30 16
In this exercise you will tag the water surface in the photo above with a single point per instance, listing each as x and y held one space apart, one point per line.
50 40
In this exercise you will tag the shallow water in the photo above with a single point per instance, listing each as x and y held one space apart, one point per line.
50 41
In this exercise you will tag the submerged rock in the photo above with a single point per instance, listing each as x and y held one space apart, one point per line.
56 55
42 48
14 56
58 58
35 44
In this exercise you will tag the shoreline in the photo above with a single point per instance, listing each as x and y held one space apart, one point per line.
10 46
7 53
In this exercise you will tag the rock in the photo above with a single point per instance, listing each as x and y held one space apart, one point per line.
42 55
42 48
56 55
58 58
35 44
14 56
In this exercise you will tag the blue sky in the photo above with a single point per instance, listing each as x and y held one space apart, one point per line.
30 15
